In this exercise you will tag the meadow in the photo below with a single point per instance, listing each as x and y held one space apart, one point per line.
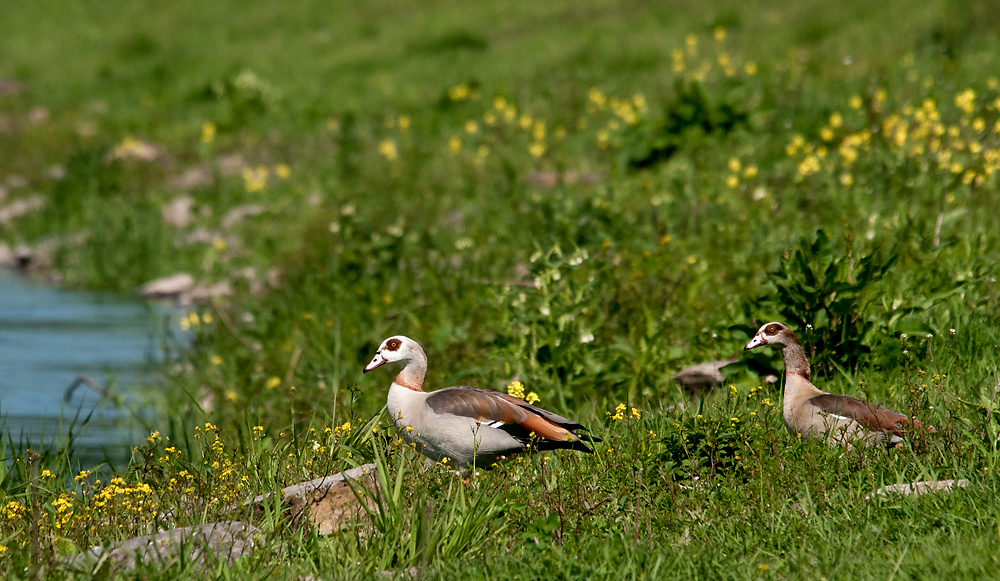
584 197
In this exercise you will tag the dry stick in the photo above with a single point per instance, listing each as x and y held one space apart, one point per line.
229 325
937 230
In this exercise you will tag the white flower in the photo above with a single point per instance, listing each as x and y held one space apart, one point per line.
951 331
904 336
587 338
929 336
545 311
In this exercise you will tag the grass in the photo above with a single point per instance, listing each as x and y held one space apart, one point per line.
582 196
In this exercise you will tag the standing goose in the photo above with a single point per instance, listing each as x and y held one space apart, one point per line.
466 425
813 413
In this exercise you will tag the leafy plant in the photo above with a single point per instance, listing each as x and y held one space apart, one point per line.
690 117
824 296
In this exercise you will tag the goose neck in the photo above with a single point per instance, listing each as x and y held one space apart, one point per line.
412 375
795 359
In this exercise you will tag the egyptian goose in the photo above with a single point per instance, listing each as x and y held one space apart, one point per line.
466 425
813 413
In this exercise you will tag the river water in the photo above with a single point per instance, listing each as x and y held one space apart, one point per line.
51 336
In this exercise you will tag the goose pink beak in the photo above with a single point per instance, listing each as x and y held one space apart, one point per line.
377 361
757 341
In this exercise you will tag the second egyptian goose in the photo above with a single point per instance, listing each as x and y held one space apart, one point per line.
466 425
813 413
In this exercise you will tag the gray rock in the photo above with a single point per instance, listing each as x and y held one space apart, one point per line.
167 287
327 503
224 541
918 488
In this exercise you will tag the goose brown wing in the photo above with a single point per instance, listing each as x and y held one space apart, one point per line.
495 408
869 415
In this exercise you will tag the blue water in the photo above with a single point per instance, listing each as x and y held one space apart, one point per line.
50 336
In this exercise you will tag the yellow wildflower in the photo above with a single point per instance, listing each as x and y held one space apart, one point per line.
516 389
207 132
459 92
387 148
273 382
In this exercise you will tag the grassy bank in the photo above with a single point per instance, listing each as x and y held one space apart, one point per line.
586 197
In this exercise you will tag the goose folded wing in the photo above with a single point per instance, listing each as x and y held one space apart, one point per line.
869 415
500 410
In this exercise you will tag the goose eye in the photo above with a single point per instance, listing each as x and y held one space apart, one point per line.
393 344
771 330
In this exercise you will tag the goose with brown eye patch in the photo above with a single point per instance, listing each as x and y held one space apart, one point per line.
812 413
466 425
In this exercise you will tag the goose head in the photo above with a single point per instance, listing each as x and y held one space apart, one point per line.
395 348
772 334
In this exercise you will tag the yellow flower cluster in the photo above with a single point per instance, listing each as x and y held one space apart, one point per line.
516 389
620 412
254 179
13 510
966 148
193 321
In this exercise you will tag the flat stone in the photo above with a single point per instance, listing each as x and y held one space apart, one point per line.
167 287
223 541
327 503
918 488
